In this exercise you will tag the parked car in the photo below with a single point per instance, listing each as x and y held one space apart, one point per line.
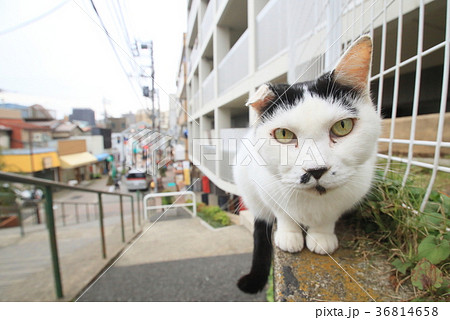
137 180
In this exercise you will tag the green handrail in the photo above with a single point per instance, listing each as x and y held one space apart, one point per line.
47 186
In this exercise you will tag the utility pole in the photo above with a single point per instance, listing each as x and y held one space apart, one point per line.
105 102
149 46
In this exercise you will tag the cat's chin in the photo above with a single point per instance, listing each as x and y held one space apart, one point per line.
316 190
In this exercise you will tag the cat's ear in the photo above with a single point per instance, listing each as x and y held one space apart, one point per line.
261 98
354 67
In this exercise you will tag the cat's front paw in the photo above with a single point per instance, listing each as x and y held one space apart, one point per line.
321 243
289 241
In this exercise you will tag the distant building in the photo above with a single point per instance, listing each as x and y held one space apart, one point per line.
164 120
131 117
12 106
38 113
22 133
37 162
66 130
5 137
105 133
142 115
117 124
83 114
34 113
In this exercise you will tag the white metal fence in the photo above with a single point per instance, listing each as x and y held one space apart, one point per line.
409 76
410 72
148 206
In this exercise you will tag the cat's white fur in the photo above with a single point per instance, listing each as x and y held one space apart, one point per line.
272 189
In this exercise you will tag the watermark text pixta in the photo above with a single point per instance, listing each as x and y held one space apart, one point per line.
212 150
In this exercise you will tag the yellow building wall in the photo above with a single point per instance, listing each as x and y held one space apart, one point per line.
22 163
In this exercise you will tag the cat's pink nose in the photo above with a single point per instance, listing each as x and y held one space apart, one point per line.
317 172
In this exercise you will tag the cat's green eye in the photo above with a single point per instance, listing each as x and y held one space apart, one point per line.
283 135
342 127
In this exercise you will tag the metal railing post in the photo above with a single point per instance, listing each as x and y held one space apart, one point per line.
87 212
122 224
52 237
139 207
132 214
63 214
22 231
76 213
102 227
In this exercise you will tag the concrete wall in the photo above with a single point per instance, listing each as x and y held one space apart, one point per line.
426 130
94 144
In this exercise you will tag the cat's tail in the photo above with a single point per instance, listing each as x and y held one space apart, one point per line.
262 258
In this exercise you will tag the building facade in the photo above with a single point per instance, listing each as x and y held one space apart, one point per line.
83 114
232 47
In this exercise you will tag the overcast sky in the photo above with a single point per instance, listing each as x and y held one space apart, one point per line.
64 60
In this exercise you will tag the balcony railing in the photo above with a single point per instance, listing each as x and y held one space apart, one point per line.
271 37
181 82
208 88
196 102
192 15
232 141
193 58
207 21
234 67
204 161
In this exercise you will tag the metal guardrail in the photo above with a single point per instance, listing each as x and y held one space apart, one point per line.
173 205
50 220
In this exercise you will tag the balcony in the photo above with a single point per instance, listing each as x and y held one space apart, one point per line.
192 16
207 22
271 38
234 67
181 85
193 58
208 88
230 138
195 102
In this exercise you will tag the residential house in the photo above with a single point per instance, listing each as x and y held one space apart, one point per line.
24 134
5 137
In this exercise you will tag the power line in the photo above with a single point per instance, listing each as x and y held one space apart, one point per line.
122 22
132 59
114 49
122 29
26 23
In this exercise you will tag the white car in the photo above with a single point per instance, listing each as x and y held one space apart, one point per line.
137 180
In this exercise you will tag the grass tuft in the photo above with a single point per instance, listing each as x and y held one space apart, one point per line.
418 243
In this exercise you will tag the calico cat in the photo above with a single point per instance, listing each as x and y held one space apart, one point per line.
316 146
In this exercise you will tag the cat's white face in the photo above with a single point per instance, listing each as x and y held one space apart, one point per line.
319 134
318 144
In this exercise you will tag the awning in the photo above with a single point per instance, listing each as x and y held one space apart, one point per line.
102 156
77 160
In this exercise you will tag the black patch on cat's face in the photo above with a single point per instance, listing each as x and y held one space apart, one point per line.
321 189
287 96
305 178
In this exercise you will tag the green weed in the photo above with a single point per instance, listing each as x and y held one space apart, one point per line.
417 242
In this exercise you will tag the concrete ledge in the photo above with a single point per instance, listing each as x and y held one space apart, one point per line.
347 275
